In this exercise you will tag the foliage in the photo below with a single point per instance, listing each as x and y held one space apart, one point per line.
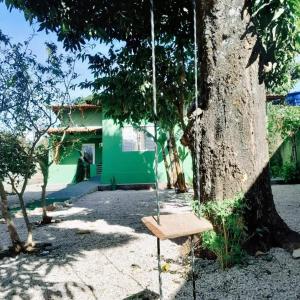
277 23
14 160
27 89
290 172
283 122
113 183
229 234
275 170
124 79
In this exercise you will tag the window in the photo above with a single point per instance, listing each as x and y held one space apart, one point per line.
138 140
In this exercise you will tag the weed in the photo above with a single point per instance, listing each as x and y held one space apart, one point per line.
229 233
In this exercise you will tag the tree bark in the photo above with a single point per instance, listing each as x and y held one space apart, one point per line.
29 242
14 236
232 141
45 171
167 167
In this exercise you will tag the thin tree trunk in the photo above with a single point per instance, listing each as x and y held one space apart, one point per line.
172 166
294 148
167 167
180 180
45 171
233 146
14 236
29 241
20 195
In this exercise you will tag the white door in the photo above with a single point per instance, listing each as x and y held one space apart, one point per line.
88 152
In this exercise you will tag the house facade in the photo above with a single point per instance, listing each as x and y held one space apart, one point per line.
115 155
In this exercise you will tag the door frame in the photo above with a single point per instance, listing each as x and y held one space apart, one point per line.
93 149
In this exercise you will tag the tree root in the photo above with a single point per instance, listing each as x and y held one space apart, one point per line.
23 248
47 221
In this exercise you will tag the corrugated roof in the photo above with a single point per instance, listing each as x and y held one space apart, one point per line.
57 108
90 129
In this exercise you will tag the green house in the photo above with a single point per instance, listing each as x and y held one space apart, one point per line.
123 156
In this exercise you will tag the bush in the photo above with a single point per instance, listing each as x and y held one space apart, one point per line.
290 172
275 171
229 234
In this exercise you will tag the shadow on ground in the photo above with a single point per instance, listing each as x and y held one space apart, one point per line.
109 220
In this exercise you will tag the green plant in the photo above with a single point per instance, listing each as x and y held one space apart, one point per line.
290 172
113 183
275 171
283 123
229 234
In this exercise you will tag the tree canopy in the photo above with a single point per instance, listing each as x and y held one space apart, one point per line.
277 23
14 160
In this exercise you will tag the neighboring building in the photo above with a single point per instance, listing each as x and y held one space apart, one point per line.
123 156
293 99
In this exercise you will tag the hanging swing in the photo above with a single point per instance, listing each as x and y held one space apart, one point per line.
174 225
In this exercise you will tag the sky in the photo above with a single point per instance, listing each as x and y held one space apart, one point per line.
14 25
18 29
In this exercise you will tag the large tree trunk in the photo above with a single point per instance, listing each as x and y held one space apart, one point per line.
233 146
15 239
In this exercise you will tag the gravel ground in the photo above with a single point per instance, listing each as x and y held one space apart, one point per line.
116 257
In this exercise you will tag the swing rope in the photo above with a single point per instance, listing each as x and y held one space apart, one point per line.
197 133
154 92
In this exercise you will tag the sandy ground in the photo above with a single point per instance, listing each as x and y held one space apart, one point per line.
118 257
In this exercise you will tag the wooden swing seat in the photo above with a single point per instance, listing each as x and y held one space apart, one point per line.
176 225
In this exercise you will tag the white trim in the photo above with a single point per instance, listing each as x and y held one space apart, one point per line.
134 140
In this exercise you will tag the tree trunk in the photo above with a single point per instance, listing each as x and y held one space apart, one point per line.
233 146
180 180
45 171
29 241
172 166
167 167
15 239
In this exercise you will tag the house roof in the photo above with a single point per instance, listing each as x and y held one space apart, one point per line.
89 129
57 108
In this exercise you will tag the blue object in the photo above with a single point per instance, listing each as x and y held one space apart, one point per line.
293 99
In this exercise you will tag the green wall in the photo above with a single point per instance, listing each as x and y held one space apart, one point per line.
82 118
134 167
126 167
65 171
286 149
283 155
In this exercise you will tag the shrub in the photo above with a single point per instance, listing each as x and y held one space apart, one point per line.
290 172
113 183
229 234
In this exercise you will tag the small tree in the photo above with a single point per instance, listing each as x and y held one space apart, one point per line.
44 162
14 163
28 88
